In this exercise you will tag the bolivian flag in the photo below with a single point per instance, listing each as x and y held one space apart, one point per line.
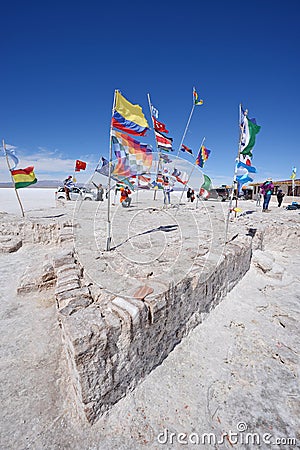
23 177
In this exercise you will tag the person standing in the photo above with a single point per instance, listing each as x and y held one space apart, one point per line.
125 200
280 196
258 198
267 190
100 192
68 184
189 195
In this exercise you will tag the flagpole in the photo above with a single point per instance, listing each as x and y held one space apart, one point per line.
157 149
202 143
13 180
185 131
234 183
108 242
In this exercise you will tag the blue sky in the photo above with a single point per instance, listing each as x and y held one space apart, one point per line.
62 61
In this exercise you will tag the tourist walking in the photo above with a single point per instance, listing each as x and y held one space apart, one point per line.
267 190
280 196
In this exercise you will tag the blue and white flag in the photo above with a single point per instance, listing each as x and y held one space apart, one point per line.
9 150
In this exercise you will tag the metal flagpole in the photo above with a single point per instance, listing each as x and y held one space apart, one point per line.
13 180
108 242
185 131
159 152
234 183
202 143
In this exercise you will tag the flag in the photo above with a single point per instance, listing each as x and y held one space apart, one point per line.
9 150
80 165
128 117
202 156
246 166
294 170
163 142
197 101
181 177
138 155
165 158
23 177
184 148
249 130
159 126
154 112
207 184
104 169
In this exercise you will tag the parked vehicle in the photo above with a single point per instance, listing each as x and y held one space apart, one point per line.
76 193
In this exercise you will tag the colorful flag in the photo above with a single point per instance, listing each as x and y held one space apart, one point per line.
206 187
9 150
163 142
165 158
181 177
154 112
294 170
246 166
197 100
159 126
128 117
249 130
80 165
207 184
202 156
138 155
104 169
23 177
184 148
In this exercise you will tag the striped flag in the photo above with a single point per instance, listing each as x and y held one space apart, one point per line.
184 148
163 142
24 177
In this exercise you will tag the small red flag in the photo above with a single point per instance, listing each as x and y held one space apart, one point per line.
159 126
80 165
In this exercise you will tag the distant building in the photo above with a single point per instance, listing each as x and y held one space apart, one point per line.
285 186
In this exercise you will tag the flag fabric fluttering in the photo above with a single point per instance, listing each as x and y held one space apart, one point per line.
159 126
80 165
128 117
205 187
104 169
294 171
163 142
9 150
165 158
138 155
154 112
24 177
181 177
197 100
186 149
202 156
249 130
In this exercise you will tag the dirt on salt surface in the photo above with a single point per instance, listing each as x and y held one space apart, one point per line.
238 371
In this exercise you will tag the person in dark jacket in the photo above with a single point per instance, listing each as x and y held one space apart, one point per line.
280 196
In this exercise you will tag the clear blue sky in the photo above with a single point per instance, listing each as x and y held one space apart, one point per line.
61 62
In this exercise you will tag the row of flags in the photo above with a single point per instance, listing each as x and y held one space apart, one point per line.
135 157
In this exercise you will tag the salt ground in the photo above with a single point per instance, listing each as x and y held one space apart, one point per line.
240 365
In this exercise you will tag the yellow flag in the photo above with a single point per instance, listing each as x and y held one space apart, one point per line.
129 111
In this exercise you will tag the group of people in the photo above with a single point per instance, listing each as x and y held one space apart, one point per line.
266 190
